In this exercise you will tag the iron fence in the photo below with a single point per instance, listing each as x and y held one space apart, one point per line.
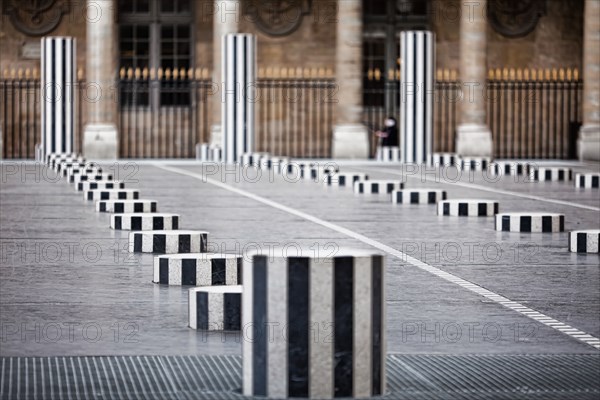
531 113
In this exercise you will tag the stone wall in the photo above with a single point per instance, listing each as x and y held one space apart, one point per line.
556 41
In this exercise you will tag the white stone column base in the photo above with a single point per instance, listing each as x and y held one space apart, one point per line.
100 141
473 140
588 144
216 135
350 141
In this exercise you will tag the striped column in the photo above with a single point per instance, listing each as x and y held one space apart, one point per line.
239 91
313 327
58 79
416 87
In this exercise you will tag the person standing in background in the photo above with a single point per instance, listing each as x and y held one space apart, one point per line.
388 136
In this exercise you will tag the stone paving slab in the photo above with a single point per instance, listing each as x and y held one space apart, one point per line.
116 294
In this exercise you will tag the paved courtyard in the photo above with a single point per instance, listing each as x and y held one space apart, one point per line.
467 307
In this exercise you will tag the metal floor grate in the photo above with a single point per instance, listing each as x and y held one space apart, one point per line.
219 377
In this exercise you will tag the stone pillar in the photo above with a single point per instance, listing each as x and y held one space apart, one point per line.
100 134
473 136
227 14
350 136
589 136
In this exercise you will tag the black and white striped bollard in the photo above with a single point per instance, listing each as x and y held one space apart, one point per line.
215 308
111 194
551 174
587 181
198 269
127 206
535 222
378 186
584 241
344 179
144 221
93 185
168 242
475 163
286 297
444 159
418 196
468 208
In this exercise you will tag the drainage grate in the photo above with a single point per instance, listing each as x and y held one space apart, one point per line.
219 377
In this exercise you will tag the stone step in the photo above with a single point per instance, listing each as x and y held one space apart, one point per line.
144 221
127 206
534 222
418 196
111 194
468 207
168 242
584 241
198 269
215 308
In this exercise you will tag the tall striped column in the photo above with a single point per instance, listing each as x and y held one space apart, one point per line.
239 91
313 327
416 88
58 78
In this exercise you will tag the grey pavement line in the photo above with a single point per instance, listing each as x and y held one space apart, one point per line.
513 305
479 187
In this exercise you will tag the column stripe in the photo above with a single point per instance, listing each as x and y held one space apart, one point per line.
343 328
260 339
298 328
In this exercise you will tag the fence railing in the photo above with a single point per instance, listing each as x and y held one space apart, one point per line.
531 113
163 114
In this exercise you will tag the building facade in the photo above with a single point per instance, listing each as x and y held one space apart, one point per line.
328 72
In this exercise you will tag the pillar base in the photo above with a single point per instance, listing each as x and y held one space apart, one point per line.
100 141
350 141
473 140
216 135
588 144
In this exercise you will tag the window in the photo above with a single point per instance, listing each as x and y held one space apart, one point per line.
155 34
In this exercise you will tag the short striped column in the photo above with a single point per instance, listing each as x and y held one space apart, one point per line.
475 163
389 154
344 179
144 221
416 88
168 242
127 206
198 269
510 168
584 241
314 327
239 90
587 180
418 196
215 308
379 186
202 150
84 176
111 194
54 159
468 208
93 185
535 222
551 174
318 172
444 159
58 80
